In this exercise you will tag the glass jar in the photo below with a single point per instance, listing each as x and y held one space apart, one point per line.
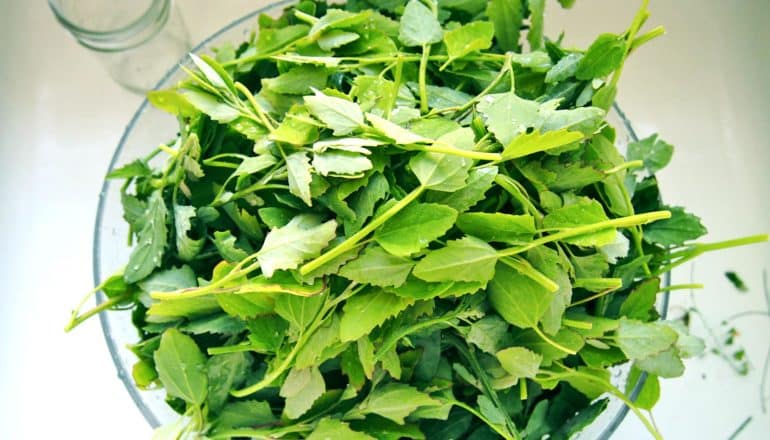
135 40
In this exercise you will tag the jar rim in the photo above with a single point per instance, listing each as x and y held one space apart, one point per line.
120 38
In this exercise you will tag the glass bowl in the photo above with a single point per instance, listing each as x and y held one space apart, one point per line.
150 126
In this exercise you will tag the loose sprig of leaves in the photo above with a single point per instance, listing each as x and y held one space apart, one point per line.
383 220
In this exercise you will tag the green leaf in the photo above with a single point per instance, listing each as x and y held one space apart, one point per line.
440 172
667 364
415 227
300 240
330 429
341 115
364 201
296 127
536 142
301 388
488 333
225 243
508 115
153 237
497 227
506 16
419 26
378 268
337 19
169 280
254 164
275 39
221 324
640 340
367 310
299 311
468 38
466 259
564 69
535 34
181 367
641 300
319 346
211 106
244 414
341 163
336 38
519 362
480 180
517 298
136 168
605 55
186 247
298 166
267 333
584 212
554 267
225 372
395 132
300 80
649 394
655 152
489 410
675 231
171 101
395 401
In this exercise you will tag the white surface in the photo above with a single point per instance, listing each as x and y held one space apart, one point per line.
703 87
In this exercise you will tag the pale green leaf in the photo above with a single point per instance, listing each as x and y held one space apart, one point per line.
153 237
301 389
300 240
299 311
298 166
341 115
186 247
468 38
395 401
640 340
341 163
519 362
419 26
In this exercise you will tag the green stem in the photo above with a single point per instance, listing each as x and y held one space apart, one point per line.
287 362
422 78
76 319
263 118
624 166
522 266
512 187
593 297
440 147
622 222
237 271
248 190
551 342
698 249
681 287
360 235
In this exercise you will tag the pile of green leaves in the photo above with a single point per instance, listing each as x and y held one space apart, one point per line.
384 220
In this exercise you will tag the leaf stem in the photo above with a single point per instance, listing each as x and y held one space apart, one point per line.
360 235
422 78
440 147
76 319
621 222
696 250
551 342
472 410
522 266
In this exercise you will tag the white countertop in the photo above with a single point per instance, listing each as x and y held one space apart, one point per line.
703 87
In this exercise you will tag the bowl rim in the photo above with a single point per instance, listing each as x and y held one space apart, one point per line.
126 377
